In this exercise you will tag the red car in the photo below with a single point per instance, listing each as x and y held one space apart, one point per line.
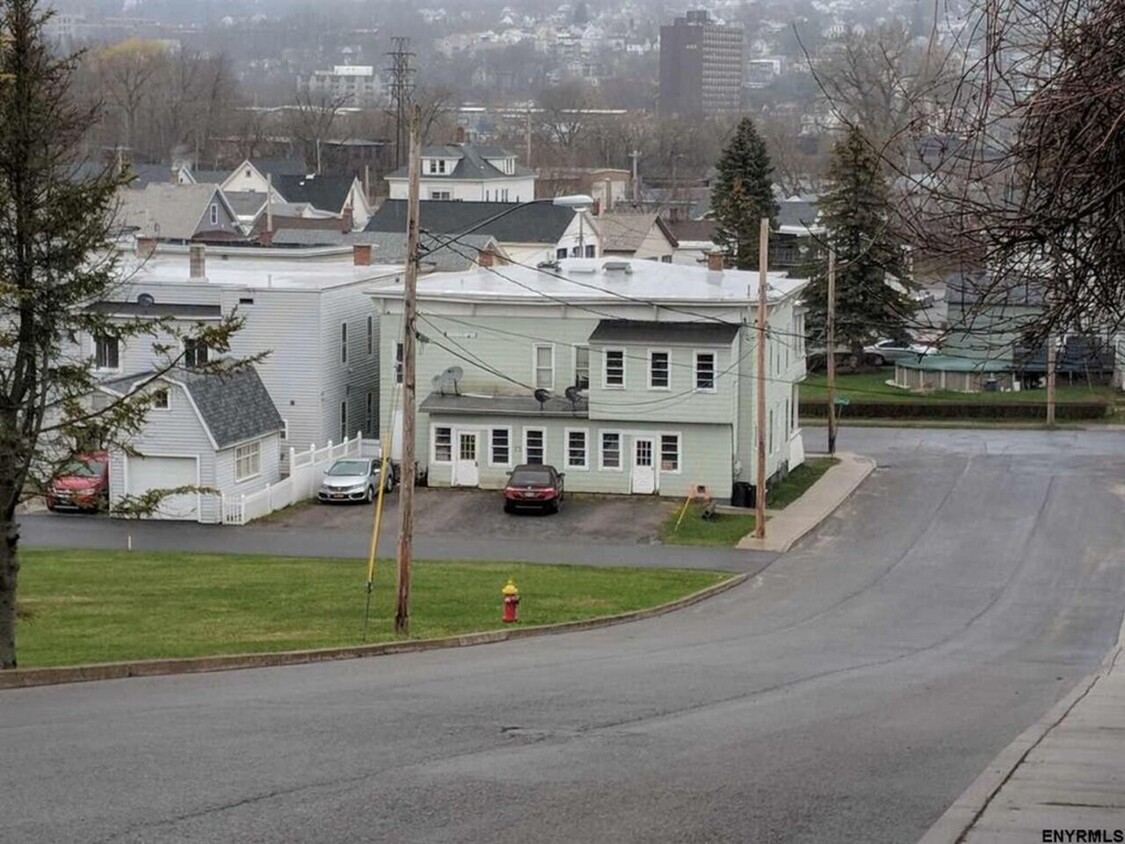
537 487
81 484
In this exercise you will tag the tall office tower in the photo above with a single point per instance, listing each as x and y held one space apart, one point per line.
701 66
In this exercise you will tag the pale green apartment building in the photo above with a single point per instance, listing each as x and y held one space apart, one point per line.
661 359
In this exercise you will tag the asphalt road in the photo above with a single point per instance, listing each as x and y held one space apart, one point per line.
848 692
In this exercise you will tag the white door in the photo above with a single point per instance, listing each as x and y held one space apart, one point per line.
466 468
149 473
644 466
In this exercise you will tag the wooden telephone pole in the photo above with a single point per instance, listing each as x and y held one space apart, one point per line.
763 297
410 318
830 342
1052 373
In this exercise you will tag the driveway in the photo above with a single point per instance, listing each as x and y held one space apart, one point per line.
479 513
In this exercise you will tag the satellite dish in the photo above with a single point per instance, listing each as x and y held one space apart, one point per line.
448 380
145 300
542 396
574 394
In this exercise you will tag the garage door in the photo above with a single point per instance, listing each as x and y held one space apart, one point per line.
146 473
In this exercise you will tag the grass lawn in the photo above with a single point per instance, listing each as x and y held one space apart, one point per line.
721 529
725 529
96 606
871 387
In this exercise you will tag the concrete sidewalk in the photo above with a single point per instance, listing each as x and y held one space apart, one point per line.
785 528
1063 779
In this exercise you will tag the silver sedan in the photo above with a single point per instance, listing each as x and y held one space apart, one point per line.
354 479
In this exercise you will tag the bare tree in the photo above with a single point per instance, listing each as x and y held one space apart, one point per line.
126 71
313 120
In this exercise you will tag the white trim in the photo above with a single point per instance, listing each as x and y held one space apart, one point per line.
174 456
679 470
433 444
284 434
585 466
167 390
648 357
605 369
116 340
258 474
542 431
620 467
714 371
508 430
535 364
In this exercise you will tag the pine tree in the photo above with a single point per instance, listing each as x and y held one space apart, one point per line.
743 194
859 218
57 256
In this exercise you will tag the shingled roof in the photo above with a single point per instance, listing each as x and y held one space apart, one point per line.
171 212
627 232
234 406
325 192
472 162
539 222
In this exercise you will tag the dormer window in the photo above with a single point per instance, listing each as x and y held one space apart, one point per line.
437 166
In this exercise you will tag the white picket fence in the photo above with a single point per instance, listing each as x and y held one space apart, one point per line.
306 470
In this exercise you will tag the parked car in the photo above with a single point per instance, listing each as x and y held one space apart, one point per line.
81 484
533 487
355 479
888 351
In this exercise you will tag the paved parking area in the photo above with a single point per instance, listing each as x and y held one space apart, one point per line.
479 513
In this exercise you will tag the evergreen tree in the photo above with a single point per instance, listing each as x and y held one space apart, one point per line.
57 256
743 194
858 216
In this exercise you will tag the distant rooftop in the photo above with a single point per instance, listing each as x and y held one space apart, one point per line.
597 280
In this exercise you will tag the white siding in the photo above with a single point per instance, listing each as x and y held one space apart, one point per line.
345 382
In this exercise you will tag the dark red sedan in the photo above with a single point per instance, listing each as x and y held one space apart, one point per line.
533 487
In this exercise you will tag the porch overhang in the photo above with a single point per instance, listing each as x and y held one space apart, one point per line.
525 406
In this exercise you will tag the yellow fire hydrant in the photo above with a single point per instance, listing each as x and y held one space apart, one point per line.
511 602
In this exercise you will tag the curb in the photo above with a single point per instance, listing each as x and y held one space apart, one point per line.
23 678
750 544
956 822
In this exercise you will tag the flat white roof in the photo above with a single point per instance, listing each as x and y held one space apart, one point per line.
599 280
256 272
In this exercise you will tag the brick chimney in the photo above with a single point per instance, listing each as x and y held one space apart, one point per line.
361 254
197 260
265 238
146 247
715 261
461 135
347 221
485 258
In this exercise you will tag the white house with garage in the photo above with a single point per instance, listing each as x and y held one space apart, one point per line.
217 433
631 376
306 309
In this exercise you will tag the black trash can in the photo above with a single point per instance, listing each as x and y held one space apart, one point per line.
742 495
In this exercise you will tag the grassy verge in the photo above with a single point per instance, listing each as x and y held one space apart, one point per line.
798 482
869 387
726 529
95 606
721 529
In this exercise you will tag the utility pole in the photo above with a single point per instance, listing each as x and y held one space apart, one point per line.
401 91
830 340
635 154
1052 368
410 318
763 296
528 130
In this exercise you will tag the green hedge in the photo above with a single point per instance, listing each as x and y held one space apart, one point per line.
957 410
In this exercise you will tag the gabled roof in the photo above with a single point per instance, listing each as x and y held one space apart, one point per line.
327 193
626 232
390 247
234 406
471 164
672 333
209 177
246 203
167 211
539 222
147 174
